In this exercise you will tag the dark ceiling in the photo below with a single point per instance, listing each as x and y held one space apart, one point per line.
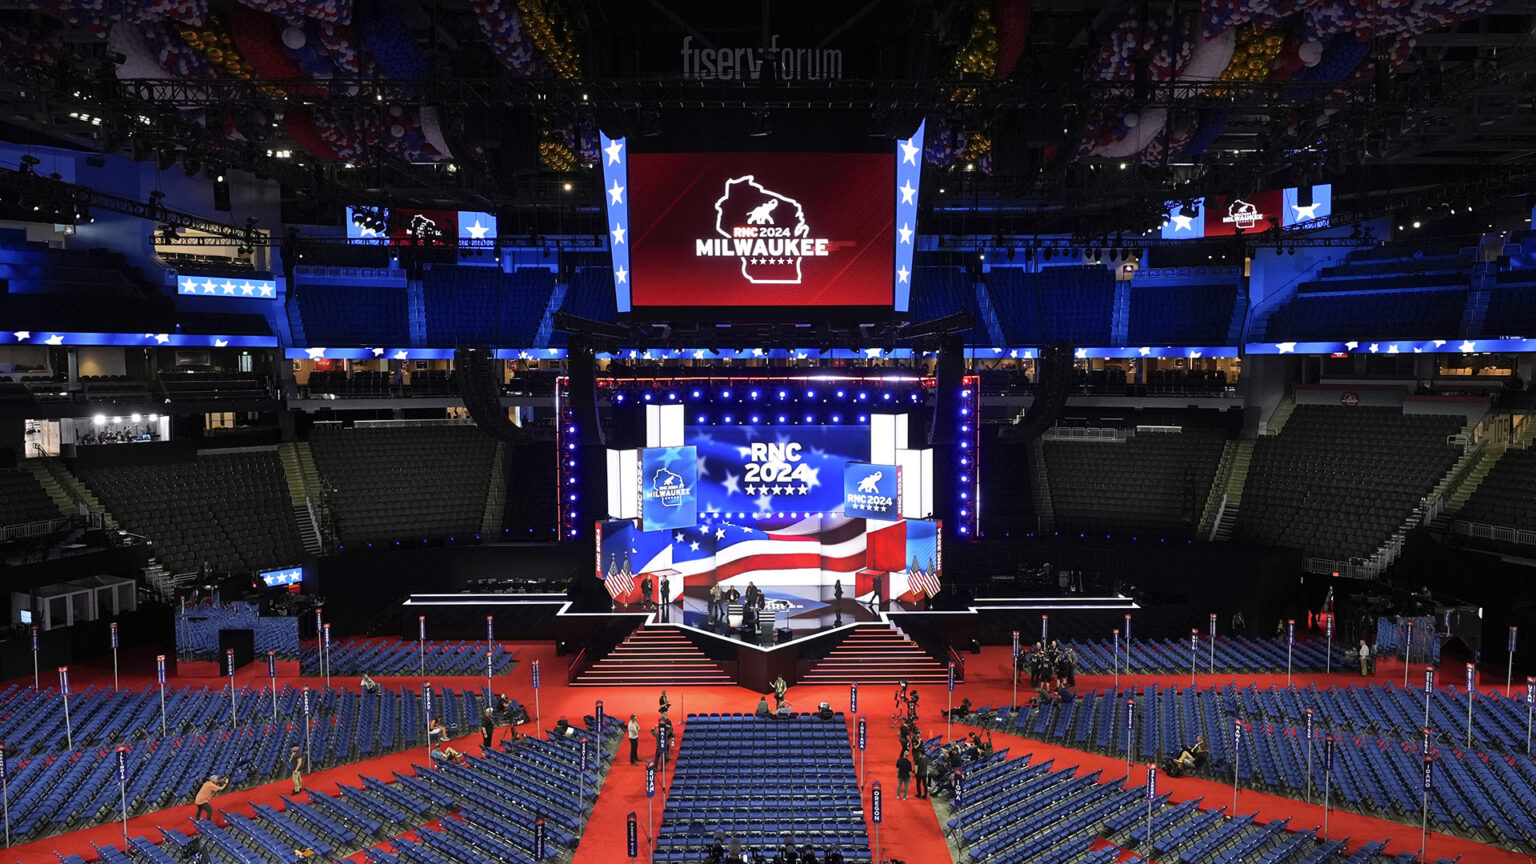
1036 105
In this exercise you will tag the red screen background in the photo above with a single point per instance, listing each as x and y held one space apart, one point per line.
846 198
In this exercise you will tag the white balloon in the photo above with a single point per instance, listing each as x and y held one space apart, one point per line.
293 38
1310 52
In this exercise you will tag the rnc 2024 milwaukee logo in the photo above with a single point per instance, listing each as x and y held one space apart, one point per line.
764 230
667 488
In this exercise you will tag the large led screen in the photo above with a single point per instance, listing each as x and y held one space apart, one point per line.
668 488
764 471
760 229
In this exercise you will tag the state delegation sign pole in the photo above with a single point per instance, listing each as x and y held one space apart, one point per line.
304 704
490 648
1212 668
949 715
863 737
1194 649
1530 697
1130 724
1237 756
1151 794
1471 690
1509 664
160 678
1328 652
421 645
122 788
1015 702
538 716
1309 755
272 679
650 812
36 681
229 669
5 795
1327 779
1290 648
877 813
1429 689
1429 781
112 634
1115 652
69 733
1407 651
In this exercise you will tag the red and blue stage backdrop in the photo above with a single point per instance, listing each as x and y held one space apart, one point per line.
793 557
766 471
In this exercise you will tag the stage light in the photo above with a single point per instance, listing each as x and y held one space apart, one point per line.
963 530
964 512
725 394
727 418
783 394
754 394
618 397
810 394
887 397
837 418
756 419
809 418
99 420
696 394
863 418
703 418
672 396
647 397
839 394
782 418
965 478
863 396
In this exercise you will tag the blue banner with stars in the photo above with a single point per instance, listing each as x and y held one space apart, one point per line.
615 178
909 175
227 287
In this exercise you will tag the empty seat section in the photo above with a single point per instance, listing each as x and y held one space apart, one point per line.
411 482
1071 304
23 500
1148 482
362 315
1338 481
1507 496
231 510
1171 309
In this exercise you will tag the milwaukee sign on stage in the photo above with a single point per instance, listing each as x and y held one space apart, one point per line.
752 230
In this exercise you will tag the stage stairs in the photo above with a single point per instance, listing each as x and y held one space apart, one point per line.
876 654
654 655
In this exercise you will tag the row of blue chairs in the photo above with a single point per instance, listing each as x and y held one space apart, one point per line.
720 783
61 790
1490 796
364 815
1233 654
398 659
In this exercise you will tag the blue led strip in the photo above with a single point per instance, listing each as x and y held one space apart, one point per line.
909 176
1193 352
226 287
134 340
1394 346
616 197
968 447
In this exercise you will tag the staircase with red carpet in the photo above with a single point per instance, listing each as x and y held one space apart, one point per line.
877 654
653 655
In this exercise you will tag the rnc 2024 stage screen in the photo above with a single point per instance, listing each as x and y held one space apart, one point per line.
761 229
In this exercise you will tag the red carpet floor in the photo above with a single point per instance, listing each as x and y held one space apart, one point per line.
910 831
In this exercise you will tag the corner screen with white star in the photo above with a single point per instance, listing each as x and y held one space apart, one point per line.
760 229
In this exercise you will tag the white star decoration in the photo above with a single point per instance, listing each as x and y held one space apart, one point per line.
621 275
908 152
1182 223
1144 351
618 233
902 274
1307 213
378 352
1438 342
1391 349
616 193
247 290
1195 355
906 191
477 231
221 343
1373 348
401 355
22 335
872 352
162 338
1467 346
614 149
905 232
1081 353
315 353
1286 347
229 289
1351 345
55 340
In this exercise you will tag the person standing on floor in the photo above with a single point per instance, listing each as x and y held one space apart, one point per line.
663 736
663 704
903 774
923 768
487 729
212 786
645 593
296 765
634 740
1365 659
716 603
666 592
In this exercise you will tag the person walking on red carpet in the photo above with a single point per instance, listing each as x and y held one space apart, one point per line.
212 786
634 740
903 774
296 763
487 729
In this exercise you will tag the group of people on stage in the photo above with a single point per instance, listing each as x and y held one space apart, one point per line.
724 850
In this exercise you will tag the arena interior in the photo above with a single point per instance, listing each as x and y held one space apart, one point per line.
893 432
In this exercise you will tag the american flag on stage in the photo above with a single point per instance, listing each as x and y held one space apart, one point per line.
923 581
620 583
